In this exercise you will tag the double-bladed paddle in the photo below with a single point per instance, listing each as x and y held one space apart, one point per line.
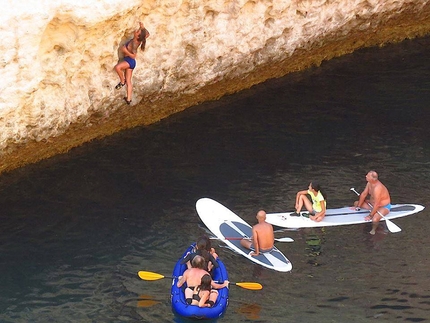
149 275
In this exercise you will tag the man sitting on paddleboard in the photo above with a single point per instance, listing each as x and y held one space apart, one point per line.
318 206
380 200
262 239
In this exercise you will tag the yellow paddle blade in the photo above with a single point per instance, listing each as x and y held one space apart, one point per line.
149 275
248 285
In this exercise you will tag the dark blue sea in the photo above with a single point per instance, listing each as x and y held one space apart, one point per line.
76 229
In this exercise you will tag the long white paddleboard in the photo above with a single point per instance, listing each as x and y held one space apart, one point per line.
340 216
224 223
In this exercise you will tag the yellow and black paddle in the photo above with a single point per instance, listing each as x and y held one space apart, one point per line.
149 275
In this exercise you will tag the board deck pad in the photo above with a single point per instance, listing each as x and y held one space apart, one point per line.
224 223
339 216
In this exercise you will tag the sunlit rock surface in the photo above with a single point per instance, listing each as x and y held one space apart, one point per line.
57 88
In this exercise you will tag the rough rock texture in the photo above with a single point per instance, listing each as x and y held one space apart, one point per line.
57 88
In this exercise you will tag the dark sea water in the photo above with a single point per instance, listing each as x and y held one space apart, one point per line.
75 229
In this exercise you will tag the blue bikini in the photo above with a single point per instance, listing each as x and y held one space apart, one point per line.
131 61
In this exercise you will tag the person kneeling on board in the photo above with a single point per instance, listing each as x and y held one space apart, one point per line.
193 278
318 206
262 239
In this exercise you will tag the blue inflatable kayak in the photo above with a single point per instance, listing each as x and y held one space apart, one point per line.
180 307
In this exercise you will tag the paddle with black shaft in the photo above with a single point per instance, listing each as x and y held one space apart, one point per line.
390 225
285 239
149 275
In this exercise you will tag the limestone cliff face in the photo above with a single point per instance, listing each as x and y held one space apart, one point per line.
57 58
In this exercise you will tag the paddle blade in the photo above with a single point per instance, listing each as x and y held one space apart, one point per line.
148 275
286 239
394 228
247 285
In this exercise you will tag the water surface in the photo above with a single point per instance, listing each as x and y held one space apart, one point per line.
76 228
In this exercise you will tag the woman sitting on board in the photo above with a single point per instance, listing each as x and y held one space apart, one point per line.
318 206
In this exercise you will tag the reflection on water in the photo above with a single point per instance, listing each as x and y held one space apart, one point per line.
376 241
250 311
77 228
315 243
146 301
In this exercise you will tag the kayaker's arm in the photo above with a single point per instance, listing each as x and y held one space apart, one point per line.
181 281
219 286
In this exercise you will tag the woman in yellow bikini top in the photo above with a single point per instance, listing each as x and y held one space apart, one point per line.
317 208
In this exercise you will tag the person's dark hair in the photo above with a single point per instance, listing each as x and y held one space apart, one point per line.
205 283
203 248
317 187
198 262
206 239
201 244
206 256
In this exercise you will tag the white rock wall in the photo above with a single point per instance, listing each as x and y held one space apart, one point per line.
57 55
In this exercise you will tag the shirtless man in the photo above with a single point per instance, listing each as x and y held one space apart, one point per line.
379 199
193 278
262 239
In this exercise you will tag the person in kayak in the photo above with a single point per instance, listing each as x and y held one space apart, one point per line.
202 292
262 239
201 250
193 277
209 247
380 200
316 208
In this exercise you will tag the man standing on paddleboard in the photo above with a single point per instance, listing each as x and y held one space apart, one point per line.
379 202
262 239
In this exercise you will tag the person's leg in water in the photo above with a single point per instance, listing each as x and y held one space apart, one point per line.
377 218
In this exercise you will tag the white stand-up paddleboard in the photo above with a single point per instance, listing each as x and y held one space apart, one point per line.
223 223
340 216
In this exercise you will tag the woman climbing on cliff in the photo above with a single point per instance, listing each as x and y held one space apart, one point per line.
125 67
